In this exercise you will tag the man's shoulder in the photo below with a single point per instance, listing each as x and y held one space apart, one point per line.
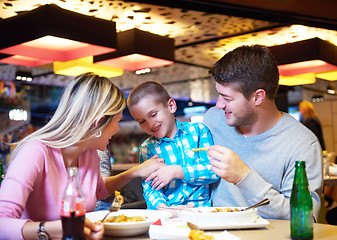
214 110
214 114
215 118
295 128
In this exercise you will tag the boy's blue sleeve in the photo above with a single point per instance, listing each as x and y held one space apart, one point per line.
198 171
152 197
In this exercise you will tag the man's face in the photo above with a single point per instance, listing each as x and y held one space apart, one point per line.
238 110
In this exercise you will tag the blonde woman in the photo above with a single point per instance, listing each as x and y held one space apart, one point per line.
87 116
311 121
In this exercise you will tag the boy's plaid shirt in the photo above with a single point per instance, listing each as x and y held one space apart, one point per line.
195 165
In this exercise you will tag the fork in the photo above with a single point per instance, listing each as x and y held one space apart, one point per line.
115 206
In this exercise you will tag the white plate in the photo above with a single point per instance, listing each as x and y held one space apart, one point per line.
260 222
209 216
128 228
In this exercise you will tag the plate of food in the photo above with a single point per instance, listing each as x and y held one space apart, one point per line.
127 222
217 218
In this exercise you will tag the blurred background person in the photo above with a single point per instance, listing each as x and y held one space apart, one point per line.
311 121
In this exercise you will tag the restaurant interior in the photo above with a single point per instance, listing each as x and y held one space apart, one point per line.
187 36
174 42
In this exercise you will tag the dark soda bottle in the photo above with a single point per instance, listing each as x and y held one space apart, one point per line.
73 208
301 205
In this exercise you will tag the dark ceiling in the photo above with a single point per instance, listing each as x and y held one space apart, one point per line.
309 12
203 30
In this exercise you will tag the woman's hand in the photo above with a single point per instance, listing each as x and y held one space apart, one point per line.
163 176
150 166
93 230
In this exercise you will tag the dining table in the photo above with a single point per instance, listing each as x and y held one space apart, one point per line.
330 181
275 230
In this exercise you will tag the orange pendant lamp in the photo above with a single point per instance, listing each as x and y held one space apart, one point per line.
303 60
50 33
138 49
82 65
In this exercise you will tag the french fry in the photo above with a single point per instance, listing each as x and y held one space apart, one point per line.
199 149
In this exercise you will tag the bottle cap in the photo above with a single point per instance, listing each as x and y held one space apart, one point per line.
300 163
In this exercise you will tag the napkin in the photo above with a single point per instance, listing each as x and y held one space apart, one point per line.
174 228
333 169
225 235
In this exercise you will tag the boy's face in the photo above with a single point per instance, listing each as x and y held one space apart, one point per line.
155 118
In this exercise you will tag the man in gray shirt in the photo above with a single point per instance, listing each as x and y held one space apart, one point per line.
256 144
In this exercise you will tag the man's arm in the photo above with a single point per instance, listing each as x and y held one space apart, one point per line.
255 188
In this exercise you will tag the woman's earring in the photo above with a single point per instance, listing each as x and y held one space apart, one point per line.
98 134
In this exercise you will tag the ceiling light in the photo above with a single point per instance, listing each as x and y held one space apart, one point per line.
299 61
305 67
330 76
331 89
138 49
83 65
300 79
143 71
23 76
317 98
50 33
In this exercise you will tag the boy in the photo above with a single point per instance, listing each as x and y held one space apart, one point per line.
187 176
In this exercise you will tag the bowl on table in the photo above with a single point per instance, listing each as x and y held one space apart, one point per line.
125 229
219 217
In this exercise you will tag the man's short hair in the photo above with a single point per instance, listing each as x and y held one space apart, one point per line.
248 68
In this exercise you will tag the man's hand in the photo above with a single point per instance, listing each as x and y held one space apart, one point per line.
227 164
93 230
164 175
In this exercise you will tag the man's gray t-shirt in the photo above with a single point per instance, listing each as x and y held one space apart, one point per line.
271 157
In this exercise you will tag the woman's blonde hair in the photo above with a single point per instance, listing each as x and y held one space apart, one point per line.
309 109
87 98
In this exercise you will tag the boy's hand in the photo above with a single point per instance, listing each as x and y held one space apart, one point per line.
164 175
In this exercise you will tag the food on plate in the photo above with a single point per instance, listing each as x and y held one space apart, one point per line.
199 235
226 209
123 218
119 197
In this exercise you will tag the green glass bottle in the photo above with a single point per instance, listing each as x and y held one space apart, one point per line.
301 205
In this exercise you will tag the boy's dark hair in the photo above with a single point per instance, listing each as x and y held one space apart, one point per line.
146 89
248 68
